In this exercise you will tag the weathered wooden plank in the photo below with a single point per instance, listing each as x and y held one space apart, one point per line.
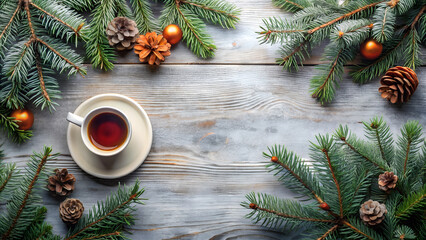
211 124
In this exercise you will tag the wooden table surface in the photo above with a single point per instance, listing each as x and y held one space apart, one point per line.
211 119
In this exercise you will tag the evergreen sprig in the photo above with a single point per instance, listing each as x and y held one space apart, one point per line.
398 24
24 216
188 14
343 175
34 38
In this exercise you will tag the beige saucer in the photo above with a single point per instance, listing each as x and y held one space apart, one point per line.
131 157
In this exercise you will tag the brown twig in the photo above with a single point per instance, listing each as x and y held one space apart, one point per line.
344 16
356 229
27 195
100 219
339 194
332 229
56 18
30 24
207 8
103 235
10 21
418 16
318 198
255 207
189 26
295 4
41 78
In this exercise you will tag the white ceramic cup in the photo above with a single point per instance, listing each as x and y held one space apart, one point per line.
83 123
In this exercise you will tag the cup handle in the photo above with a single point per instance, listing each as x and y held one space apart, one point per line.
77 120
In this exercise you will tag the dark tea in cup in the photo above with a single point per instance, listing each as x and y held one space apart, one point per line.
107 131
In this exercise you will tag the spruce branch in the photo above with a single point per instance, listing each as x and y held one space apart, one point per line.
346 182
291 5
144 17
23 202
399 25
108 216
194 32
215 11
414 203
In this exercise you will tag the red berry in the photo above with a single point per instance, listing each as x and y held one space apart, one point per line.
324 206
274 159
253 206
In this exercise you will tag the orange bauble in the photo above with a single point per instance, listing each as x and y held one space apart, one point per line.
172 33
25 118
371 49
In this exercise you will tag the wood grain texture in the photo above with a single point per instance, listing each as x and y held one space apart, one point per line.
211 124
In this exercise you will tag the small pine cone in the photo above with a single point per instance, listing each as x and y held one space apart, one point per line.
387 181
62 183
398 84
152 48
372 212
122 33
71 210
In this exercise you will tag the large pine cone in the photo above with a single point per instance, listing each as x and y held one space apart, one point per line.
71 210
387 181
372 212
122 33
398 84
152 48
62 183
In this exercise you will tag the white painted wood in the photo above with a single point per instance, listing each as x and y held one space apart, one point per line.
211 124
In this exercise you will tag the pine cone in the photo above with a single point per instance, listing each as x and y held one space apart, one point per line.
62 183
398 84
71 210
387 180
372 212
122 33
152 48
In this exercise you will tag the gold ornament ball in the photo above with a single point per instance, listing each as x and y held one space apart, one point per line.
172 33
25 118
371 49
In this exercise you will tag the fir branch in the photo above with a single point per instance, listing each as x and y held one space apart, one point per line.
6 175
194 33
215 11
350 33
339 193
292 5
296 168
344 16
109 215
70 64
377 130
362 155
10 21
284 215
143 16
415 202
98 49
384 21
22 203
56 18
